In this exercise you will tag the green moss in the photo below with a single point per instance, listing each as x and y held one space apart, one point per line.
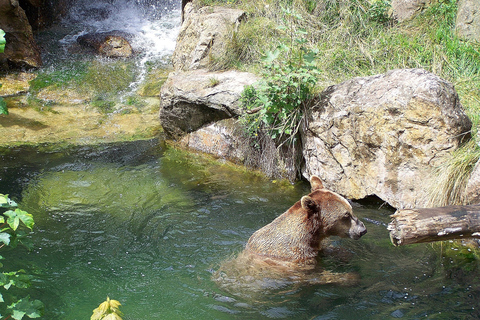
109 77
72 73
103 105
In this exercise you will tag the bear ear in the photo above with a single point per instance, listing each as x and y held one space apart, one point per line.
316 183
309 204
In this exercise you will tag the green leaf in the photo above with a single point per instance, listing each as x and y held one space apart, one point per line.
271 56
6 202
2 41
14 218
32 309
3 104
302 31
5 238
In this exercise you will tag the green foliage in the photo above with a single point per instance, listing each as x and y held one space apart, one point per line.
3 104
2 41
12 221
276 105
107 310
379 11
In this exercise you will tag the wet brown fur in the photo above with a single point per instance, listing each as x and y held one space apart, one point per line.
295 236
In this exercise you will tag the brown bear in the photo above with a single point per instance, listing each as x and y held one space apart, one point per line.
295 236
286 249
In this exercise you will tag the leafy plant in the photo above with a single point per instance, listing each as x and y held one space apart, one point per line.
3 104
11 234
378 11
107 310
276 104
2 41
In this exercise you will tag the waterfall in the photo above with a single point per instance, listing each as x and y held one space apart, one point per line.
153 23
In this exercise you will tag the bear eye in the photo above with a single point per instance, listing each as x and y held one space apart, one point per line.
346 215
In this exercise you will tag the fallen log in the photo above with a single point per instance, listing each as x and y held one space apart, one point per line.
434 224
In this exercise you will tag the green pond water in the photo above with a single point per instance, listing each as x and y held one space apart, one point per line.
147 226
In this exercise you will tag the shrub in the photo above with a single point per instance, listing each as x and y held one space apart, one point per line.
13 221
277 103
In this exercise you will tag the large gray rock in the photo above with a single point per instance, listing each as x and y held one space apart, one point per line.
203 35
191 100
407 9
468 20
21 50
382 135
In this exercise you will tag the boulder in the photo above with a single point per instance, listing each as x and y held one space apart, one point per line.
191 100
406 9
21 50
203 35
467 25
382 135
112 44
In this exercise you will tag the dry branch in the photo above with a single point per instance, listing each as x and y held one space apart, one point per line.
434 224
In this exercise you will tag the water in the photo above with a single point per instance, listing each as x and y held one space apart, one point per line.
147 226
153 27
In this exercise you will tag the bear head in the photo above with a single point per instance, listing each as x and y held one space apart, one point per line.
334 211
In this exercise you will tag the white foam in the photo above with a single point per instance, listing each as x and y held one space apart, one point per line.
154 26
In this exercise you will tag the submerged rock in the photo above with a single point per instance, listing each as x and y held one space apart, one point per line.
113 44
382 135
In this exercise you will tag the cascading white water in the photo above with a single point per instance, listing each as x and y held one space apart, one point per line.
154 25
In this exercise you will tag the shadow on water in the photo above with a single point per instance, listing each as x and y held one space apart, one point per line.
147 225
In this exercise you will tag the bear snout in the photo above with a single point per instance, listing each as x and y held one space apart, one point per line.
358 230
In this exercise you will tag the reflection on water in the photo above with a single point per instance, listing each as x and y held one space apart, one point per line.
147 226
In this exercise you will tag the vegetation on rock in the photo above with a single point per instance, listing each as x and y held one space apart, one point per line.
359 38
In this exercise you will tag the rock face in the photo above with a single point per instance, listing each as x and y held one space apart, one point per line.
21 50
226 139
191 100
468 20
406 9
113 44
382 135
202 35
42 13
